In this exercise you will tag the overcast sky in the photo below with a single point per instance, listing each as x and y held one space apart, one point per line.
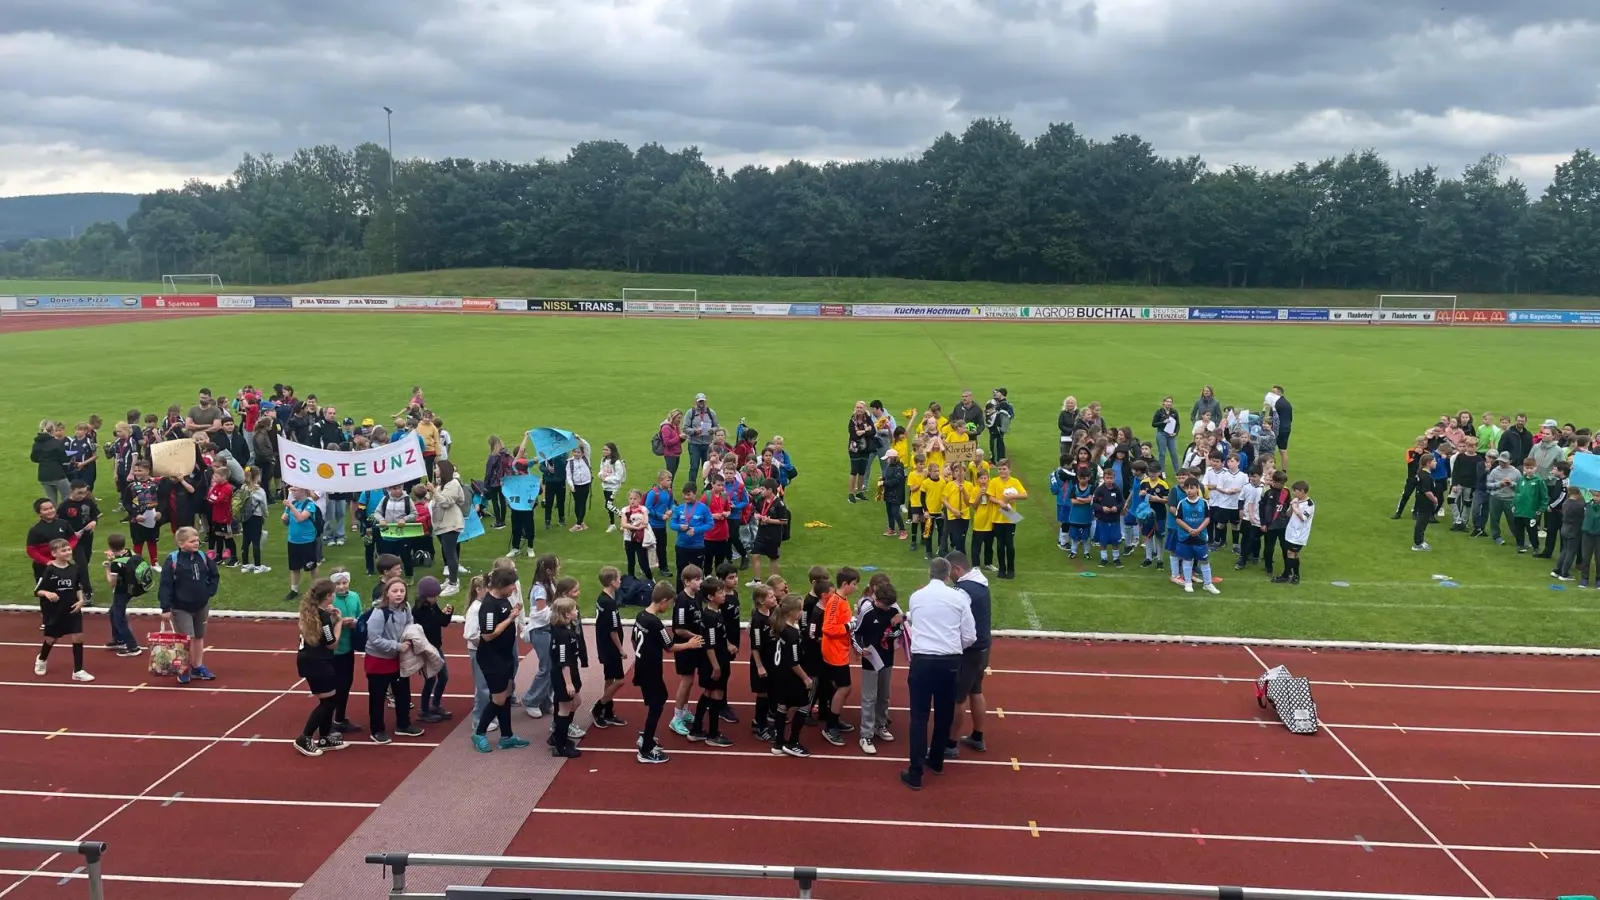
135 95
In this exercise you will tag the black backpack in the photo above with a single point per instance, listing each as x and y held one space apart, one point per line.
634 591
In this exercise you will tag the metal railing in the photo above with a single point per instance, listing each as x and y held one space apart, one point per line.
806 878
91 851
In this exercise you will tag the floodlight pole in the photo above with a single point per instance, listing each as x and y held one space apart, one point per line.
394 237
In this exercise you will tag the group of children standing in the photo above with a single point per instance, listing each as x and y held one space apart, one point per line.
1114 496
1488 475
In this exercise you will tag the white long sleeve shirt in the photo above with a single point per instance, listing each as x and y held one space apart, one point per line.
941 621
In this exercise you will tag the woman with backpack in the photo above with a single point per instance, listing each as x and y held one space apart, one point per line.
495 471
385 635
667 442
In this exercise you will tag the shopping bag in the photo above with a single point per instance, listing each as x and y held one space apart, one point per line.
169 652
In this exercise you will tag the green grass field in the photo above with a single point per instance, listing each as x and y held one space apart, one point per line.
597 284
1361 394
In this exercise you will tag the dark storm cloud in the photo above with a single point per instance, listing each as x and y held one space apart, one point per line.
99 94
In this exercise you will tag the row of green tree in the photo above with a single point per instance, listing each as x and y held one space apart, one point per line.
987 204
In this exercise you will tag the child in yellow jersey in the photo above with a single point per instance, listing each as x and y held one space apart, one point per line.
983 515
932 509
1005 491
914 479
980 463
932 444
959 496
902 450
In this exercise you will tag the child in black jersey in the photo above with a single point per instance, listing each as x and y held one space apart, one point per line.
608 647
686 615
788 684
762 600
715 662
728 574
496 658
320 628
877 631
811 633
60 592
565 680
652 639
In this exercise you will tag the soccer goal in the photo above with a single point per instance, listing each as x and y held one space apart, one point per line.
661 302
176 284
1422 308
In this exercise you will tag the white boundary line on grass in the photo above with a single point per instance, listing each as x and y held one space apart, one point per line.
1103 636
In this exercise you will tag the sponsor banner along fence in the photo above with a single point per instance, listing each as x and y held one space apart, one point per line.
746 309
76 303
1085 312
937 311
1588 317
1473 316
928 312
344 302
179 301
660 308
451 304
590 307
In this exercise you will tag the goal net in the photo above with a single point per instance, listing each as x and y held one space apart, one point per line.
1422 308
661 302
178 284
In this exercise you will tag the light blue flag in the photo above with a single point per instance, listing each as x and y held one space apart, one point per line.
521 491
1586 471
551 443
474 523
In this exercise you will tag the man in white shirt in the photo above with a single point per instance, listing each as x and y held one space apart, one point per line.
942 628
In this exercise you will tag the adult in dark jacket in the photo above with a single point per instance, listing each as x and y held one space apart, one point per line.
967 416
327 433
1067 421
50 452
1206 403
1517 441
188 582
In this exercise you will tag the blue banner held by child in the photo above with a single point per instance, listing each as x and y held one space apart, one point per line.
474 526
521 491
1585 471
549 443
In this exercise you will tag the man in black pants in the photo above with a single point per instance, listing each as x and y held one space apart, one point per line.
942 628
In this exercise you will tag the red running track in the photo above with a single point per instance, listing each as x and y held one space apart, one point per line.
1473 776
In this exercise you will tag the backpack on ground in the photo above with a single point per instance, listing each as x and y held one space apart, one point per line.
422 558
634 591
136 576
1290 698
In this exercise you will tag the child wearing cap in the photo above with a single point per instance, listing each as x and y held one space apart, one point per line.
893 486
1502 482
434 619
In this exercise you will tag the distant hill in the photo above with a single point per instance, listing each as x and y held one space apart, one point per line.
61 215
